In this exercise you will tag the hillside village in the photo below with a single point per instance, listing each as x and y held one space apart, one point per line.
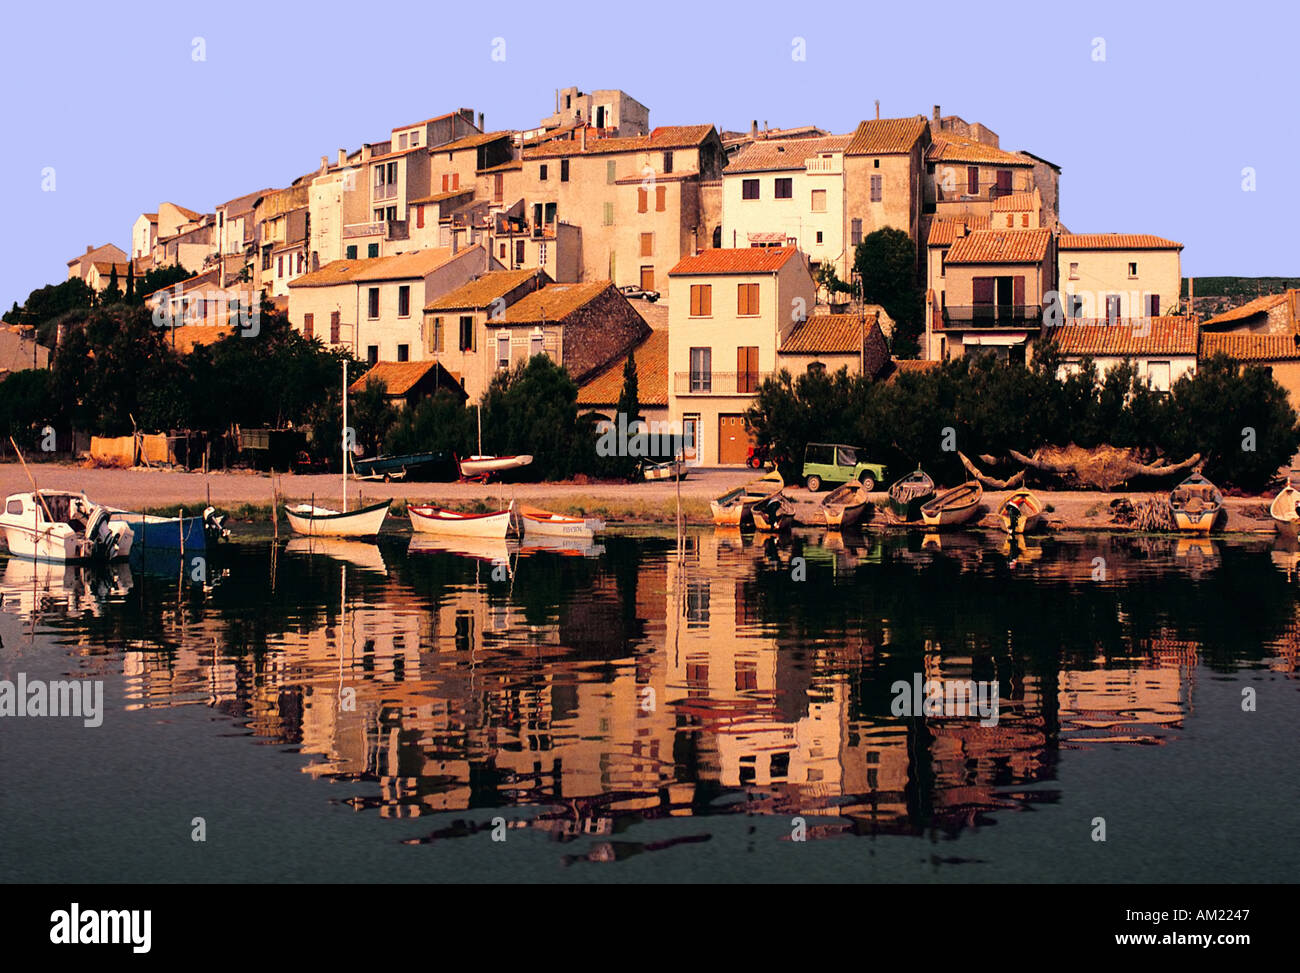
451 250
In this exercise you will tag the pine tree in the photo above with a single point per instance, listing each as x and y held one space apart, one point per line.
130 281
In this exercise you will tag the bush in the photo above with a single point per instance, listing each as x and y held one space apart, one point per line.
533 409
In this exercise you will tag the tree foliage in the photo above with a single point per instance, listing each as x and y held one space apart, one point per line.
532 408
885 261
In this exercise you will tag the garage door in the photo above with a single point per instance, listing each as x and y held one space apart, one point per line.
734 440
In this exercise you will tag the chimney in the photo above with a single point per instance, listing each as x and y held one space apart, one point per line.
557 101
89 247
343 157
582 139
937 116
365 152
765 128
481 127
324 164
877 109
753 129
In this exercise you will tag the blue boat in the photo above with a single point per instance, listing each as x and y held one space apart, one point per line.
166 532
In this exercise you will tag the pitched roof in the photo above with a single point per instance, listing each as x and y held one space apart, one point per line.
651 354
954 148
399 377
503 167
470 141
1126 336
663 137
779 154
1017 202
829 334
553 302
98 253
1250 347
183 210
1259 305
743 260
1115 241
902 366
943 231
190 336
441 197
482 291
1000 247
417 263
886 136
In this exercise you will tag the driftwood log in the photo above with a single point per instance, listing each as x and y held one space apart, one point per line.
1102 468
985 480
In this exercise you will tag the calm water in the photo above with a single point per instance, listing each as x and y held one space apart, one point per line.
360 712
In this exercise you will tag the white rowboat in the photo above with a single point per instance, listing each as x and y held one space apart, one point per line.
435 520
324 522
535 522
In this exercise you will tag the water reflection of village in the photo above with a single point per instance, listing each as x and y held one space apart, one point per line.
741 676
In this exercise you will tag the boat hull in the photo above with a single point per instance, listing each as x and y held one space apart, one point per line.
953 507
1200 522
429 519
168 533
1286 518
410 466
665 471
481 466
322 522
544 523
845 507
1020 513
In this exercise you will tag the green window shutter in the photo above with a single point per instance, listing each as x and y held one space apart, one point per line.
609 172
609 214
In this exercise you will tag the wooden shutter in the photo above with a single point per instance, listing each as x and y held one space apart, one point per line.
1018 291
419 217
660 198
973 180
309 325
334 327
642 201
982 290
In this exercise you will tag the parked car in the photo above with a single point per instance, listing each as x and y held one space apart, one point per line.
835 463
631 292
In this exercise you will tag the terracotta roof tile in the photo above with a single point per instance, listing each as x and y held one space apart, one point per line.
943 231
829 334
780 154
1017 202
1115 241
554 302
651 375
744 260
1000 247
470 141
1126 337
1250 347
663 137
510 166
1259 305
399 377
417 263
482 292
440 197
952 148
886 136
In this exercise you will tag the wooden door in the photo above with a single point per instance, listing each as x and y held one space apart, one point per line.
734 440
647 278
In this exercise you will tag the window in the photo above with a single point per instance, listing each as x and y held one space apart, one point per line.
541 173
1133 269
1074 271
943 267
404 302
564 170
519 253
1024 219
372 250
784 188
467 333
1112 308
1158 375
973 180
875 163
701 369
747 300
855 233
747 370
819 201
819 236
335 327
415 139
279 266
701 300
309 326
609 214
372 303
503 350
403 352
502 250
1153 305
372 354
436 339
749 189
642 201
14 507
352 252
266 258
609 173
300 259
401 142
536 344
877 189
661 198
647 244
668 162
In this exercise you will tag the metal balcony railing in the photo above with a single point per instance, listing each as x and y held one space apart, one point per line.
719 383
987 193
994 316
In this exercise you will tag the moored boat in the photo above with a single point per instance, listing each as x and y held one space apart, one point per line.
1283 509
314 521
773 515
732 509
1020 512
670 470
846 505
535 522
1195 503
178 533
954 507
908 495
54 525
431 519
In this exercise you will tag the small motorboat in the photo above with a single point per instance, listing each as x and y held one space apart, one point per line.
908 495
773 515
315 521
174 533
954 507
1286 518
408 466
482 468
1020 512
431 519
846 505
732 509
535 522
670 470
1196 503
54 525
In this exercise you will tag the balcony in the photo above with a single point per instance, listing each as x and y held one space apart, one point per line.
388 229
388 191
986 194
817 166
718 383
1021 316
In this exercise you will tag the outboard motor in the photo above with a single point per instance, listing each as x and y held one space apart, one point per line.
1013 515
103 539
214 527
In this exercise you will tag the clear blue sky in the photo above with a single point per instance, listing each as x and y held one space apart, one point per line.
1152 139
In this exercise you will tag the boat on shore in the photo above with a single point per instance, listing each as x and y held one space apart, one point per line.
482 468
846 505
1196 504
536 522
732 509
57 525
773 515
1283 510
954 507
1020 512
407 466
908 495
670 470
430 519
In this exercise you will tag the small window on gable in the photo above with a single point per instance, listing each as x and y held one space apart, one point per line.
1133 269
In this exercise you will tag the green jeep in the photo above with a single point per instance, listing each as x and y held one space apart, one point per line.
835 463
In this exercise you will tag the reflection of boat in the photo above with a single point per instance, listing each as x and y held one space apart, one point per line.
535 522
1020 512
494 549
407 466
1196 503
29 586
846 505
54 525
324 522
435 520
1286 519
670 470
362 554
772 515
1016 549
908 495
954 507
732 509
578 546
